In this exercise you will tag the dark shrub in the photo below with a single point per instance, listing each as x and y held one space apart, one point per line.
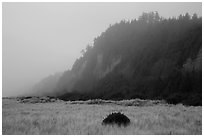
193 100
116 118
175 98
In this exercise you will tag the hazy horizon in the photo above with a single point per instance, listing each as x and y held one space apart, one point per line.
41 39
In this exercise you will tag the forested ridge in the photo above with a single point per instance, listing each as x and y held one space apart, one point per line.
149 58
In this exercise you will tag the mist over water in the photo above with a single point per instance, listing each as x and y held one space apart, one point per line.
41 39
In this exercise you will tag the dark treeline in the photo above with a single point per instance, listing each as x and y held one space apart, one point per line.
147 58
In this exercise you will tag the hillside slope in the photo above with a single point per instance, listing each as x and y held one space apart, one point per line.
46 87
148 58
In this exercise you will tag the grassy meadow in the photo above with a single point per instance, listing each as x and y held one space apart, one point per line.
81 118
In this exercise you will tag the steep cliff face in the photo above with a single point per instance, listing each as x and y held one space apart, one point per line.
194 64
82 79
99 72
145 58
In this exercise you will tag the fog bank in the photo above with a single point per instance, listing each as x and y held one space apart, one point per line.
40 39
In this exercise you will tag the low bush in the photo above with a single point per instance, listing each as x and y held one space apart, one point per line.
116 118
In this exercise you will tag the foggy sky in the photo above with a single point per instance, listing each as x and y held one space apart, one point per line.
40 39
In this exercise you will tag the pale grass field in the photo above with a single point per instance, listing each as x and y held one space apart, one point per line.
65 118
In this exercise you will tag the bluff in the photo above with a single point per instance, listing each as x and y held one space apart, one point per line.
149 58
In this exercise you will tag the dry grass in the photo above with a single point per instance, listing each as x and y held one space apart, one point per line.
67 118
131 102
